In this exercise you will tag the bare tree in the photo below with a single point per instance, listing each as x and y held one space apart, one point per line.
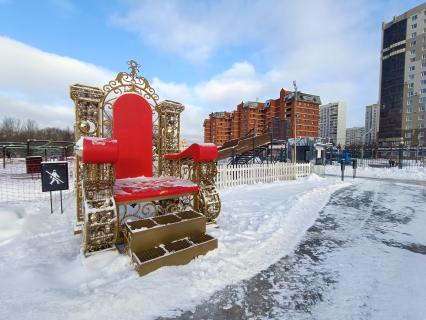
15 130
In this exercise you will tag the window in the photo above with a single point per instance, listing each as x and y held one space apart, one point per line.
413 51
409 102
408 126
409 110
422 99
414 18
413 26
411 85
423 81
421 125
413 34
410 93
413 59
424 39
424 48
411 76
424 56
421 117
408 135
413 43
423 74
422 91
423 64
412 68
421 134
408 119
422 108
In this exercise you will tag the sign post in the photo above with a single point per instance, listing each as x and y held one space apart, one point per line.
342 168
54 177
354 166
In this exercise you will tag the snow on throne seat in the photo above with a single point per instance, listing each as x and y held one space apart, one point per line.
146 188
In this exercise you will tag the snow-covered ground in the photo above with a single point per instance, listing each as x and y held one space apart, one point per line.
363 258
44 275
287 250
406 173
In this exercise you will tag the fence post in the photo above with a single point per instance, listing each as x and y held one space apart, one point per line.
400 154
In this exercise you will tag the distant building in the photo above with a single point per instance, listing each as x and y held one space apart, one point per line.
217 128
355 136
403 78
248 119
182 144
372 117
276 116
332 122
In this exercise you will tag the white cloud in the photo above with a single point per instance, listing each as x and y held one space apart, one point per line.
46 115
330 47
192 29
41 76
171 90
225 90
35 84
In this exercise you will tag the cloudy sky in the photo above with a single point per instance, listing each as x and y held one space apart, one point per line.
209 55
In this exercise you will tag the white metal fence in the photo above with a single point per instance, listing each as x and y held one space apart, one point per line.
231 176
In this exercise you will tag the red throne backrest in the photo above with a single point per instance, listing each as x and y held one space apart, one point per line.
132 128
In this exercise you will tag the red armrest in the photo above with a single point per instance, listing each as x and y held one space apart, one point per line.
97 150
197 151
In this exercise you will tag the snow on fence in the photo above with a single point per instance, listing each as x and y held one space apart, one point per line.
231 176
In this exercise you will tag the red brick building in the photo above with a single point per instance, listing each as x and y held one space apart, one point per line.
274 115
217 128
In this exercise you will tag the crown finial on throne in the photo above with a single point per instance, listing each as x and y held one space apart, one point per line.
134 68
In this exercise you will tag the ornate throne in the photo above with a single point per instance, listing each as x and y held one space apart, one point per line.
135 190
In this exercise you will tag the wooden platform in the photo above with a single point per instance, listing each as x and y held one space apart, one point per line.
169 240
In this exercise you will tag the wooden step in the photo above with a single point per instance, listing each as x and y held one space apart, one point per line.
148 233
168 240
175 253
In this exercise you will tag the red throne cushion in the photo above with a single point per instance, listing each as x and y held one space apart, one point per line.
136 189
132 128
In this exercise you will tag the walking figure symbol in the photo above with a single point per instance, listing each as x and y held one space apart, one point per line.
54 177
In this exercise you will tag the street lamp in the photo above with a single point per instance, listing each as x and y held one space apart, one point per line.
295 122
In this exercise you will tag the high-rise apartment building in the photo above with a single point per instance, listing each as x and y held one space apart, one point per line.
217 128
332 122
403 78
355 136
289 115
372 117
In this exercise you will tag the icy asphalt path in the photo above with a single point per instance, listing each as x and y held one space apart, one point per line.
364 258
44 276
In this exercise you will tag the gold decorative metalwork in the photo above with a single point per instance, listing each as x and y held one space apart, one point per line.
87 114
152 208
168 129
101 218
98 205
125 82
208 201
203 174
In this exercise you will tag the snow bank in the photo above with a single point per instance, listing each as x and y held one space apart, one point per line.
10 224
406 173
46 277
